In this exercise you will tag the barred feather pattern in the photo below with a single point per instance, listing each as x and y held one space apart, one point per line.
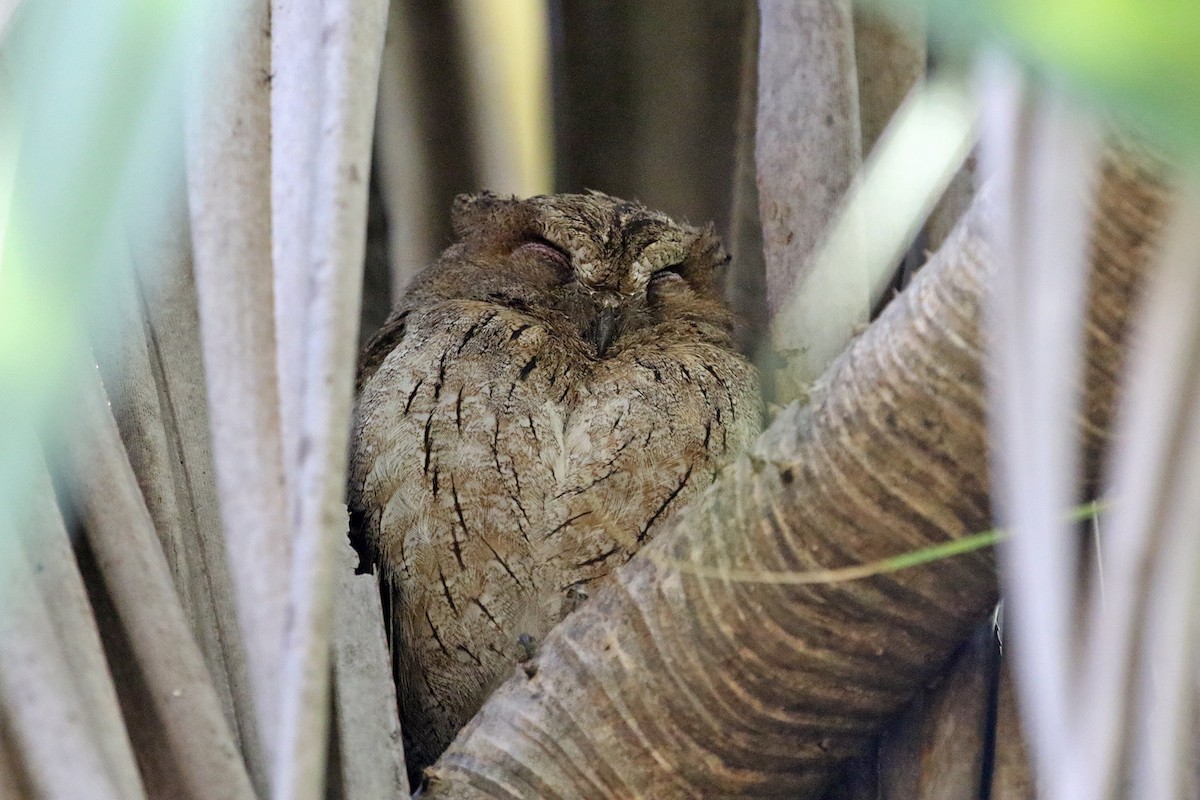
550 392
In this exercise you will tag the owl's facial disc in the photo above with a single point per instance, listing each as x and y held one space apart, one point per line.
596 312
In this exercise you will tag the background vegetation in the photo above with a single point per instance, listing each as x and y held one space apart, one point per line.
189 194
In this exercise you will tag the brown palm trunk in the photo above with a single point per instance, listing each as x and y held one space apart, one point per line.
674 683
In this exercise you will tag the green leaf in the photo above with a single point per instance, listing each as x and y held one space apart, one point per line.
854 572
1139 59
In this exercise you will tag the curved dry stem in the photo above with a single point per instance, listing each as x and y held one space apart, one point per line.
323 284
41 698
169 308
47 547
746 278
120 534
228 168
807 150
668 685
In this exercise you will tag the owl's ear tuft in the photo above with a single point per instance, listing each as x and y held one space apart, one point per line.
708 249
485 212
708 260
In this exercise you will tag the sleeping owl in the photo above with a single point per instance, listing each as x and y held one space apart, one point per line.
550 392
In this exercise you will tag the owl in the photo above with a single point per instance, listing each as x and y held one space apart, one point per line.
545 397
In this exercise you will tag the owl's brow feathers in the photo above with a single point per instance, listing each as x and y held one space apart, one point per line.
589 228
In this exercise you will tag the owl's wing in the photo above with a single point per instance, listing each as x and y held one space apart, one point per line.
385 340
447 479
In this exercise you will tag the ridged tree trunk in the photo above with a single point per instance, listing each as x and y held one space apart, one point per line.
704 671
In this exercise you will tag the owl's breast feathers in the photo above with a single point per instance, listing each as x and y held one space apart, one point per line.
503 465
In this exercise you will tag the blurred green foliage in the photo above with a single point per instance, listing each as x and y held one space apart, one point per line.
90 119
1137 58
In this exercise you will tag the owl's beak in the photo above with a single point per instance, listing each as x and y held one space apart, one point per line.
603 329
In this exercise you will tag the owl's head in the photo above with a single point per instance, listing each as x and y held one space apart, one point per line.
602 266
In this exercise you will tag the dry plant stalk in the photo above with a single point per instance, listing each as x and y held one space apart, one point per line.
402 161
323 118
1043 156
936 749
47 547
13 783
170 316
954 732
1132 717
229 161
808 152
155 557
40 699
1011 776
746 280
365 718
137 580
670 685
157 394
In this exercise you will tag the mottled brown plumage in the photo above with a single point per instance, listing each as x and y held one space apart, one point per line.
545 397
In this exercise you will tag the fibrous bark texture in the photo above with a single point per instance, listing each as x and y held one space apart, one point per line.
705 671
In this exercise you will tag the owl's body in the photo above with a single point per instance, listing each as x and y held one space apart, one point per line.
549 393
